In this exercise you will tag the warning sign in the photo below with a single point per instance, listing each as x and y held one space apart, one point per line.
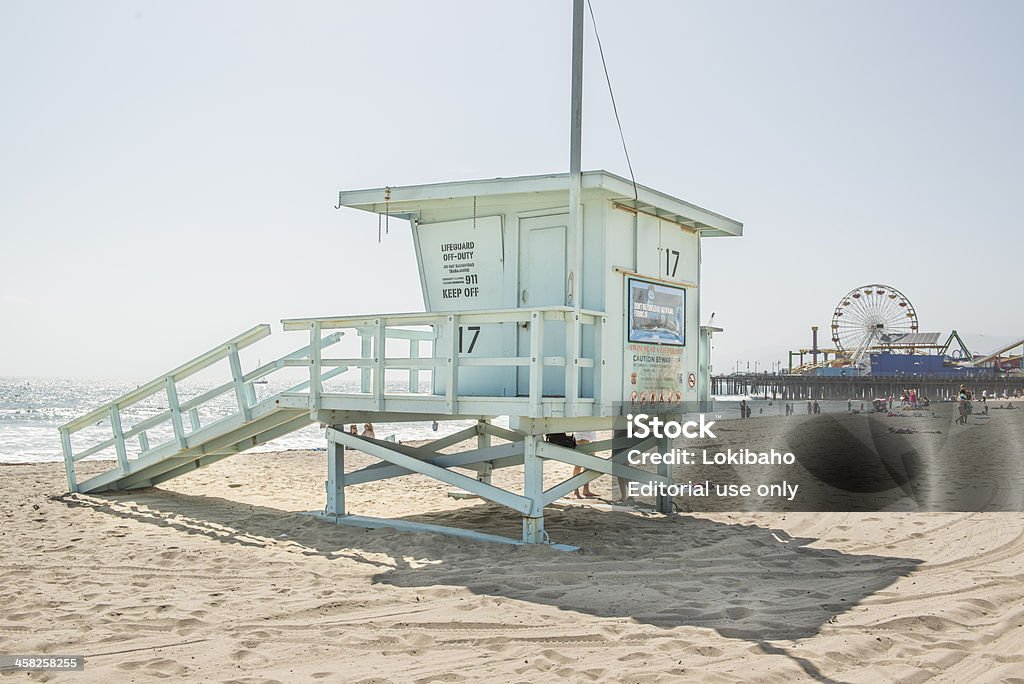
462 263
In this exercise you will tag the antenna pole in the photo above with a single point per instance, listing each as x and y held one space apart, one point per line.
575 149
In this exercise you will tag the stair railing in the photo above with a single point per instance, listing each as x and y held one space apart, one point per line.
241 384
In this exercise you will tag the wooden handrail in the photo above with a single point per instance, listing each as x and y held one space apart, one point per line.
183 371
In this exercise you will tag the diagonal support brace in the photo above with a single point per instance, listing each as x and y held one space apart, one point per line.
516 502
587 476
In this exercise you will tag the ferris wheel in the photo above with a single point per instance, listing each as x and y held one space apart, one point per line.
871 316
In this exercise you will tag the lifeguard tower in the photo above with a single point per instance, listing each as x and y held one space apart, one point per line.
562 301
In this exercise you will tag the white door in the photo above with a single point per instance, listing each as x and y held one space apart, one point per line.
542 277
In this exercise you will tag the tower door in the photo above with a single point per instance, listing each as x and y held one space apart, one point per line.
542 274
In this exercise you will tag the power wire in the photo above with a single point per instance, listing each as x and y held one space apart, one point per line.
608 80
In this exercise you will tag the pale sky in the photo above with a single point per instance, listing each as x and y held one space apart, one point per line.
168 170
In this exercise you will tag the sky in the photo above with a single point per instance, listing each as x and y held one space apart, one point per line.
168 171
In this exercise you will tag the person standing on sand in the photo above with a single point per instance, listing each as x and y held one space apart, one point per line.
810 408
623 483
817 409
584 438
849 405
743 408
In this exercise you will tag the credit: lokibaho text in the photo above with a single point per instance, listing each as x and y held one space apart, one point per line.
727 457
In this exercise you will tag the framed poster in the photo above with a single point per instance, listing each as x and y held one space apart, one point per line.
656 313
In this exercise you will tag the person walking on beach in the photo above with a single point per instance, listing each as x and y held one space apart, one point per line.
849 405
743 408
962 407
817 409
810 408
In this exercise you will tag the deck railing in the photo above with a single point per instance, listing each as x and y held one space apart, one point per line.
241 385
431 328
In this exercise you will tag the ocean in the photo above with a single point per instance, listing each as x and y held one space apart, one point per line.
31 410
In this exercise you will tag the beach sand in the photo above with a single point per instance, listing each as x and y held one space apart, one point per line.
215 577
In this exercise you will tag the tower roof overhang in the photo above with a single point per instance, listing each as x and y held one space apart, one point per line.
408 200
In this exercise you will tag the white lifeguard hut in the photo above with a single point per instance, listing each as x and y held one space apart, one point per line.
618 301
562 301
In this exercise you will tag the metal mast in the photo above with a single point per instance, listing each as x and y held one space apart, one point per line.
575 147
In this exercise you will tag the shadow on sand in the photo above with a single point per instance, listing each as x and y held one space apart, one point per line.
743 581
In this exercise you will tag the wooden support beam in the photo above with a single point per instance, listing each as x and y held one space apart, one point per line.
237 377
69 460
242 437
587 476
451 352
601 465
453 439
316 387
536 364
483 441
418 527
501 433
380 343
533 490
489 492
175 407
335 478
463 459
115 425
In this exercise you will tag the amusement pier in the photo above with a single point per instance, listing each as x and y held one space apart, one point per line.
878 351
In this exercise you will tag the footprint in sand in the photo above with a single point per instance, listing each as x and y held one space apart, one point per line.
247 657
162 666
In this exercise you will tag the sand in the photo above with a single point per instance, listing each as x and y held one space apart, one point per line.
215 577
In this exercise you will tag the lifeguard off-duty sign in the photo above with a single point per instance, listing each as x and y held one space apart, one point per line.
462 264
